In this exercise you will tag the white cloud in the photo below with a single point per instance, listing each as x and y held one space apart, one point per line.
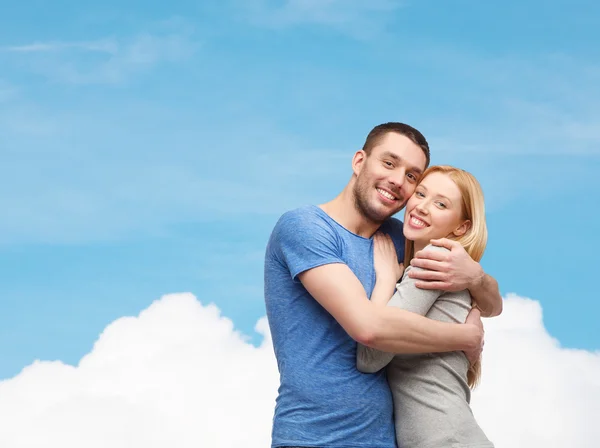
176 376
535 393
109 60
179 375
357 18
101 46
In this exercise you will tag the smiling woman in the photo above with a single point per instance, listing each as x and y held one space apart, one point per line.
432 387
448 203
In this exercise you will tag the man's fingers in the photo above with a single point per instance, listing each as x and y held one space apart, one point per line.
474 313
431 265
445 242
431 255
474 317
428 275
444 286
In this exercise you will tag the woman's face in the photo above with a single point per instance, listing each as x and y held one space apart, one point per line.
434 210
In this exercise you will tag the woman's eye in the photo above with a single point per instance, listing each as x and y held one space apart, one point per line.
441 205
419 194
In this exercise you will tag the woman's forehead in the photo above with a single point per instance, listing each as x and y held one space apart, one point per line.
440 183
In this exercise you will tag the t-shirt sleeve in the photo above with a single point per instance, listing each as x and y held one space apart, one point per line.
409 298
305 241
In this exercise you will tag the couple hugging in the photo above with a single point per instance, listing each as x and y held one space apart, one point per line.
376 324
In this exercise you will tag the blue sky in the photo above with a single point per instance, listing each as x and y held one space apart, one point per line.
149 148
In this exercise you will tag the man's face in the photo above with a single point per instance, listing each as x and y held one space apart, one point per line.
387 177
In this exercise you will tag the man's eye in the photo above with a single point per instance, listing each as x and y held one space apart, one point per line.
388 163
412 177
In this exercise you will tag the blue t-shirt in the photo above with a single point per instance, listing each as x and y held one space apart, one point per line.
323 399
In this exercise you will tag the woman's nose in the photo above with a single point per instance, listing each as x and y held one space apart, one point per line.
422 208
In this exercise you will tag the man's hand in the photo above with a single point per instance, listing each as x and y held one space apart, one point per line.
474 318
447 271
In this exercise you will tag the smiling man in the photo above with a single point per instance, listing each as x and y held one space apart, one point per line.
319 276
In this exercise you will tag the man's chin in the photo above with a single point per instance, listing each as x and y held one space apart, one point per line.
383 214
390 209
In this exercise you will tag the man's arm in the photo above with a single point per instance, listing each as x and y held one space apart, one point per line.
486 295
407 297
389 329
455 271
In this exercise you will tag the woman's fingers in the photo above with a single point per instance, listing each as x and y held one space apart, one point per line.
384 245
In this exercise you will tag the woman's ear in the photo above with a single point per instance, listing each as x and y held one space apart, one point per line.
358 161
462 229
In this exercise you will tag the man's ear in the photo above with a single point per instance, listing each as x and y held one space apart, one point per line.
358 161
462 229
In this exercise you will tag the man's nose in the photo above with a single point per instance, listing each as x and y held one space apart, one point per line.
398 177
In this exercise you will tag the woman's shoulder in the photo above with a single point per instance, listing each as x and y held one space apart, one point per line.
432 247
438 248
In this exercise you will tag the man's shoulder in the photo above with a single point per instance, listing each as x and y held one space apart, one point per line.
305 212
393 227
394 224
302 223
303 217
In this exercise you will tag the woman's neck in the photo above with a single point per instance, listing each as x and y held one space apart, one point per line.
419 245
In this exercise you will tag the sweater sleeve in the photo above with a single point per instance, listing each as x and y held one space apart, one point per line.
407 297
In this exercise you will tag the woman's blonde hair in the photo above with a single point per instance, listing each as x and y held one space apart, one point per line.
474 239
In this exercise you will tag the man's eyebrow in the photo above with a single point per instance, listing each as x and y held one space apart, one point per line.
391 155
396 157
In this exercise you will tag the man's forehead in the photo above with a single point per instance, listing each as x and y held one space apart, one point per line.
403 148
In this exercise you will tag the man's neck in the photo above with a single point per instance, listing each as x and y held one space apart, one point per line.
342 209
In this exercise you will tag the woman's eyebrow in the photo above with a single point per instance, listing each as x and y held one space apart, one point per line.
444 197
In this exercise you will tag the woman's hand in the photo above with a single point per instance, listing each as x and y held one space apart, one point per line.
387 268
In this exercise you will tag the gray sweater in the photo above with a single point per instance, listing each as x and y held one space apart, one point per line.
430 391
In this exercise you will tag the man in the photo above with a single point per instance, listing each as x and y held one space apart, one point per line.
319 275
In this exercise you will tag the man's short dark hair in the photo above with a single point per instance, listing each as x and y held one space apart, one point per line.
380 131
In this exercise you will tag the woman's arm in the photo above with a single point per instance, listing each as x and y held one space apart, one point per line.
407 297
455 270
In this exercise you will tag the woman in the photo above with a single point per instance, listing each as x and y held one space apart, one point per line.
431 391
